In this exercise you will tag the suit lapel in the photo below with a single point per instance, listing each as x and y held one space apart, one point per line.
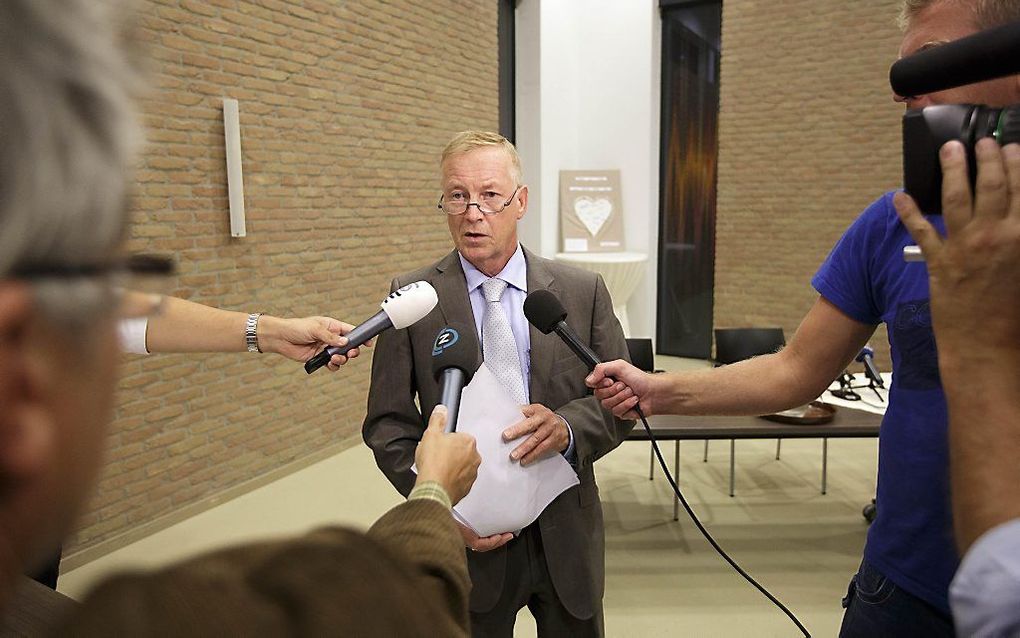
451 287
542 346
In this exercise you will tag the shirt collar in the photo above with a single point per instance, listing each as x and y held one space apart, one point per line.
514 273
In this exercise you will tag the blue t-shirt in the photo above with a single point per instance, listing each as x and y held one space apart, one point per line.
911 540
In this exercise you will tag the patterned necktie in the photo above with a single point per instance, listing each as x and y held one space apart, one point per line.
499 348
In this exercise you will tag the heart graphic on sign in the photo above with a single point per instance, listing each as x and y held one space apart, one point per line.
593 213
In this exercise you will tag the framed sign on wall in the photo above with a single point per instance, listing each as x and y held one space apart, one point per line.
591 215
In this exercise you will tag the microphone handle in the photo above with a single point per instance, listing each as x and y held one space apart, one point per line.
585 353
450 387
376 324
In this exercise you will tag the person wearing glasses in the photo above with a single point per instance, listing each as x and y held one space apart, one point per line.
66 118
554 566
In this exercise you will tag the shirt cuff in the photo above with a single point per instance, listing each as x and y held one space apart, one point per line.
432 491
570 452
985 589
131 335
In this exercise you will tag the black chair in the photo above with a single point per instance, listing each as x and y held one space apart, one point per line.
738 344
641 354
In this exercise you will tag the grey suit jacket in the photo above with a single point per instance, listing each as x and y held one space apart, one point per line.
571 526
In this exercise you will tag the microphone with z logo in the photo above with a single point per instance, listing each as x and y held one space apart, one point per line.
452 366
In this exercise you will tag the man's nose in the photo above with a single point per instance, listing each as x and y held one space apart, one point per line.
473 214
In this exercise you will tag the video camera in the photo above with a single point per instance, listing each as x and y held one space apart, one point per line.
983 56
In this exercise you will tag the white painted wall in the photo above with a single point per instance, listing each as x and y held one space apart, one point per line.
588 98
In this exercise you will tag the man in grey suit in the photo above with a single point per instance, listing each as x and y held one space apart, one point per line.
556 566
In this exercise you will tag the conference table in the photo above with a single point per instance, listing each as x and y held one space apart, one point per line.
846 423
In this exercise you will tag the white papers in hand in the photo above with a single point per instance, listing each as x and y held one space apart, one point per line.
506 497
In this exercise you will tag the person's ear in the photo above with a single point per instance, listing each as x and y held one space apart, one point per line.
27 424
522 198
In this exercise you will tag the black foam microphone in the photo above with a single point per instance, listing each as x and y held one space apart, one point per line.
546 313
983 56
399 310
867 357
453 365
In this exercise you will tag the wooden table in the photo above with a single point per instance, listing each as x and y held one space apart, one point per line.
846 424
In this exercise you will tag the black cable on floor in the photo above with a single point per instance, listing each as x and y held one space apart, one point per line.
708 537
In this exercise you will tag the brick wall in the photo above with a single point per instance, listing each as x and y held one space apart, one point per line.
344 108
809 136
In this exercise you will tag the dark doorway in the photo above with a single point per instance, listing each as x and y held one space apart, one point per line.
506 47
689 142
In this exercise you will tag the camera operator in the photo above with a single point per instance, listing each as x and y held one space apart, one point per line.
974 276
901 588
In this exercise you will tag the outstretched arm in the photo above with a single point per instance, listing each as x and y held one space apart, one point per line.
826 342
186 326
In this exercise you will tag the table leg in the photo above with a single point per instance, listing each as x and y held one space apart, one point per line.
676 477
779 442
732 455
825 462
705 459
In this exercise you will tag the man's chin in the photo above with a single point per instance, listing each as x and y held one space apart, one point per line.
473 252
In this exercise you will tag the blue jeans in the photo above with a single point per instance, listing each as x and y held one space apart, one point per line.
876 608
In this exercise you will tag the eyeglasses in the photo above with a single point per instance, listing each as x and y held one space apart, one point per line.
138 280
489 203
141 265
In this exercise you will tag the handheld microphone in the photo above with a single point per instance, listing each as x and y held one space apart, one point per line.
453 365
545 312
867 357
399 310
983 56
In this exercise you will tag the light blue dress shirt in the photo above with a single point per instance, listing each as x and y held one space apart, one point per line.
985 593
515 274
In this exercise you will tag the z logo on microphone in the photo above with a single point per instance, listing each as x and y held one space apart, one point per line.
446 338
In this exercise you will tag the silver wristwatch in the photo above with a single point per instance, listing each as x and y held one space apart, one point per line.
251 336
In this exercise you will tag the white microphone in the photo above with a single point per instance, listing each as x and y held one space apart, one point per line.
399 310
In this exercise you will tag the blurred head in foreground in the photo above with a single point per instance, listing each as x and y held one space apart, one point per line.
66 139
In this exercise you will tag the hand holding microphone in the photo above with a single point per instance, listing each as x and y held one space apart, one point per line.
400 309
451 460
621 388
452 366
617 384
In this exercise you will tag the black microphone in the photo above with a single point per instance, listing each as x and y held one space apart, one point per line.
545 312
867 357
400 309
453 365
983 56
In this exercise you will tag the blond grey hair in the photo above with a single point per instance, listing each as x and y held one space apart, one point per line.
986 13
469 140
67 135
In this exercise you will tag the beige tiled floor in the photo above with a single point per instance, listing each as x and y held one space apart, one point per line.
663 579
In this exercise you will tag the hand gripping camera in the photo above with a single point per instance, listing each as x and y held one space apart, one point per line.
983 56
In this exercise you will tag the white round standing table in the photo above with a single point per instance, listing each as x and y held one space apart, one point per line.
621 271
